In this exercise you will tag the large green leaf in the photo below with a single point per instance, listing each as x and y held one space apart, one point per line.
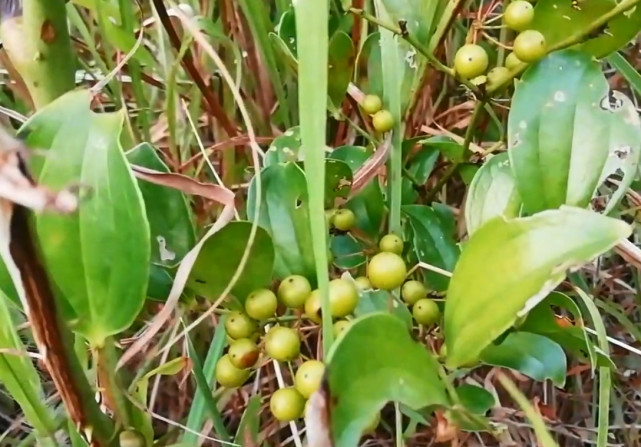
534 355
220 256
99 257
284 214
20 378
492 193
368 205
432 243
348 252
558 20
372 301
566 131
509 265
341 66
170 218
418 14
284 148
373 362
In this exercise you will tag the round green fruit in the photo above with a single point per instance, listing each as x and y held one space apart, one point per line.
511 61
383 121
313 307
293 291
497 76
287 404
340 326
343 297
426 312
386 271
362 283
391 243
243 353
371 104
228 375
282 343
344 219
518 15
239 325
131 438
261 304
530 46
412 291
471 61
309 377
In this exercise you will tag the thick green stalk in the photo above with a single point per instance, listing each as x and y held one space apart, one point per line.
37 41
312 37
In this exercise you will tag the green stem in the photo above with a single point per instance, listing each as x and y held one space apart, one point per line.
110 381
312 37
39 46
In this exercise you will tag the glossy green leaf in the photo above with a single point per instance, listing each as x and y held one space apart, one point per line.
421 165
220 257
341 65
347 251
567 131
527 257
446 146
284 148
368 204
534 355
170 218
432 244
285 216
418 14
492 193
125 42
475 399
98 257
376 361
372 301
338 180
19 376
558 20
160 282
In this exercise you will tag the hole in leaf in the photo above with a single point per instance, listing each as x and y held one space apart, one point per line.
200 281
299 202
611 102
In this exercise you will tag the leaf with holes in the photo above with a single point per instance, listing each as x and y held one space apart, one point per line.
508 266
368 205
284 148
559 19
432 244
492 193
221 255
338 181
566 131
376 361
99 257
534 355
285 216
170 218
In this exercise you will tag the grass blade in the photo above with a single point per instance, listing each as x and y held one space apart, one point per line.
312 37
627 70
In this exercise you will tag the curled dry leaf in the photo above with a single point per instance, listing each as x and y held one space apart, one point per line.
187 185
370 168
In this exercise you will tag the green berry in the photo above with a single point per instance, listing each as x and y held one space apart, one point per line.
497 76
518 15
511 61
362 283
391 243
229 376
386 271
344 219
313 307
243 353
131 438
239 325
530 46
343 297
471 61
261 304
371 104
412 291
282 343
383 121
309 377
293 291
340 326
426 312
287 404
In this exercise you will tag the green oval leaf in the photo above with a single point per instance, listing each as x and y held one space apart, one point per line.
220 257
347 251
285 216
170 218
492 193
566 131
284 148
372 301
341 66
432 243
529 257
534 355
376 361
99 257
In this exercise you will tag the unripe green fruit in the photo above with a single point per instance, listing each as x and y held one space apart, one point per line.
228 375
471 61
511 61
518 15
287 404
383 121
313 306
340 326
412 291
530 46
243 353
362 283
391 243
386 271
344 219
309 377
131 438
282 343
371 104
497 76
293 291
239 325
426 312
261 304
343 297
